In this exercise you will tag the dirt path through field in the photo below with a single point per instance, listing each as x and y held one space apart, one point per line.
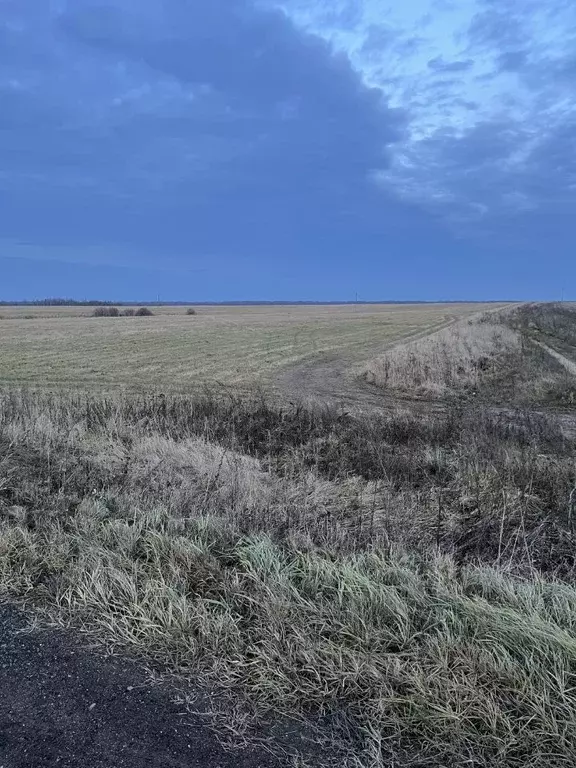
564 361
336 379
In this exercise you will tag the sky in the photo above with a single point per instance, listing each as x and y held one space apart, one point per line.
288 149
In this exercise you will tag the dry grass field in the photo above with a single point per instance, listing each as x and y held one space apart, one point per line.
403 585
65 347
524 354
398 582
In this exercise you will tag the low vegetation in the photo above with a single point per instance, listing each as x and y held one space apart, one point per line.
64 347
106 312
497 356
555 322
458 357
404 584
128 312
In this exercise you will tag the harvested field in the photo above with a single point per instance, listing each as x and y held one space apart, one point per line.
63 347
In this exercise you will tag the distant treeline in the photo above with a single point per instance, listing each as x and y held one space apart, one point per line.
97 303
56 303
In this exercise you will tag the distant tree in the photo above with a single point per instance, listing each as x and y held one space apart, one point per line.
144 312
191 311
106 312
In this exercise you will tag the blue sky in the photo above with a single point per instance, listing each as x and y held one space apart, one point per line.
283 149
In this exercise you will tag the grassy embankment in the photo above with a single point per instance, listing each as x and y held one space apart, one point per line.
405 584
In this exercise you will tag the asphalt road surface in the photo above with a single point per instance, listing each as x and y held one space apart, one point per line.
67 707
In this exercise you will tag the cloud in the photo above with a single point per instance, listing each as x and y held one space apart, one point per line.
497 26
377 38
438 64
507 172
236 132
512 61
209 128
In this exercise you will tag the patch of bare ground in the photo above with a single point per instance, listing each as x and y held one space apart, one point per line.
63 704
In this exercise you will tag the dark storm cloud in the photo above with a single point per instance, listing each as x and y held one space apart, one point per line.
208 126
219 132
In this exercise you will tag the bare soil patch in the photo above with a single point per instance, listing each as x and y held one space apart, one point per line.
62 705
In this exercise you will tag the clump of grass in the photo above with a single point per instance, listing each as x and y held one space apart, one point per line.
144 312
403 655
191 311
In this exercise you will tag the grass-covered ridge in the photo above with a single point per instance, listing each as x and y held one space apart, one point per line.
395 579
498 355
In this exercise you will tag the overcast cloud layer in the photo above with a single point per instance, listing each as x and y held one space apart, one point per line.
239 149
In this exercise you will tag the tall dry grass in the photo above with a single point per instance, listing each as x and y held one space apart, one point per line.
406 584
454 359
497 356
554 321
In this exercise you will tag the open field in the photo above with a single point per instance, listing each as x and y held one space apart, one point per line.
66 347
399 582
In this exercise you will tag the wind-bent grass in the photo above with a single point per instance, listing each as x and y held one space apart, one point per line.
394 580
414 655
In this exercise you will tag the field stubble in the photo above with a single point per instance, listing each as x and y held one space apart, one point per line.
240 346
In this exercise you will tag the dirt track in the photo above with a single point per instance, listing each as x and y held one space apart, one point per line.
336 380
565 362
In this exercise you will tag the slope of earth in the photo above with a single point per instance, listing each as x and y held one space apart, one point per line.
568 364
335 377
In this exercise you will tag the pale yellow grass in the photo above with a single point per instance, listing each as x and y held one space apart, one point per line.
235 346
452 358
